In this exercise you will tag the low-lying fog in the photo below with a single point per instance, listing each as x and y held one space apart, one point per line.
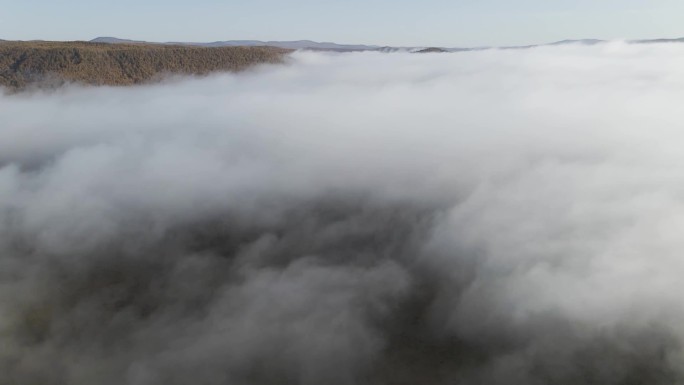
493 217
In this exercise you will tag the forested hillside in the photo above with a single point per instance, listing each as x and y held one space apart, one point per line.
48 64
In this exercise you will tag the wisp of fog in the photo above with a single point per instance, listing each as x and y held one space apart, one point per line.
488 217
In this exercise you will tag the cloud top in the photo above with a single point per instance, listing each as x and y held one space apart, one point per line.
489 217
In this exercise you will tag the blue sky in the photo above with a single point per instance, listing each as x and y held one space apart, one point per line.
383 22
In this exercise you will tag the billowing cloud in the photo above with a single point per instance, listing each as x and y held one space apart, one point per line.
491 217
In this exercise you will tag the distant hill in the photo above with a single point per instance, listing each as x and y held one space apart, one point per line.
581 41
312 45
297 44
678 40
114 40
432 50
48 64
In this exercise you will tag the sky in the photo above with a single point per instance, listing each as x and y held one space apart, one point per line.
382 22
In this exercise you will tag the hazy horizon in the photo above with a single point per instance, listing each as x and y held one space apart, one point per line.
379 22
363 44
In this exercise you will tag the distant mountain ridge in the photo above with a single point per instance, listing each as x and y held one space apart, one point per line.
296 44
329 46
115 40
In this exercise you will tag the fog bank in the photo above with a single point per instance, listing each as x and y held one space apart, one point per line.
490 217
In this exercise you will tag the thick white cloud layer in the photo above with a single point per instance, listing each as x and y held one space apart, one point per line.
492 217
